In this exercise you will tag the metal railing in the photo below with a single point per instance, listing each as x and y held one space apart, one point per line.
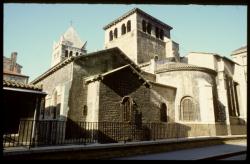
44 133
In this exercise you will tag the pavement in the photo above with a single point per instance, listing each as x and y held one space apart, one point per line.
197 153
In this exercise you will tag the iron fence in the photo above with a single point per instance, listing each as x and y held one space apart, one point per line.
44 133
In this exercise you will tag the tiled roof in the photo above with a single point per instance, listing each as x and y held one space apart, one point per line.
128 66
13 84
181 66
132 12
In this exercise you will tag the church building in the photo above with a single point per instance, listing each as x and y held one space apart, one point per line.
140 77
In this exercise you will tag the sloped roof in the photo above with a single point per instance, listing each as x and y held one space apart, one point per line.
72 36
14 84
182 67
128 66
138 11
114 50
239 50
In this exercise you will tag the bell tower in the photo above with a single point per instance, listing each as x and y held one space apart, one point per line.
141 37
68 45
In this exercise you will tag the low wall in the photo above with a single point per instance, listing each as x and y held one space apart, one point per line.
109 151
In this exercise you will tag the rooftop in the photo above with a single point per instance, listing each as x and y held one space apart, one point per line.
173 66
239 50
14 84
114 50
136 10
72 36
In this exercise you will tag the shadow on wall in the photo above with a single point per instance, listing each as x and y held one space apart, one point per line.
221 113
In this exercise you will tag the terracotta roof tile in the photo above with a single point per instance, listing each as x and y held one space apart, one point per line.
14 84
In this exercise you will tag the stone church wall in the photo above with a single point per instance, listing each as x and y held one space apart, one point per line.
190 83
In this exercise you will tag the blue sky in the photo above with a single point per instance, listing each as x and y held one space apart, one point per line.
30 29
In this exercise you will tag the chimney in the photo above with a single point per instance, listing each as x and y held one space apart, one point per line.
13 61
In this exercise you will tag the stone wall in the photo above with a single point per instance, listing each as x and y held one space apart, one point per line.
21 79
80 91
59 81
148 101
163 94
113 89
126 42
190 83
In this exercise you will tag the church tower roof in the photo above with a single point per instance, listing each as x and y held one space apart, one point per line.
72 36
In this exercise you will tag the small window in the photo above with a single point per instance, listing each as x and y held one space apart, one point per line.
161 34
85 110
110 35
71 53
143 25
149 27
66 53
76 53
115 33
123 29
129 26
163 112
156 32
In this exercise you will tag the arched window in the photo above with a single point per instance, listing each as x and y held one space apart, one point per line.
149 27
110 35
66 53
163 112
188 110
123 29
161 34
128 106
76 53
129 26
85 110
115 33
70 53
144 28
156 32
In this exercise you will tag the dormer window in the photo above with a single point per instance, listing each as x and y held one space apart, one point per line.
115 33
129 26
110 35
143 25
123 29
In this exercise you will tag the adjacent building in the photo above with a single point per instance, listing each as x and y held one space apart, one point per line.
12 70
